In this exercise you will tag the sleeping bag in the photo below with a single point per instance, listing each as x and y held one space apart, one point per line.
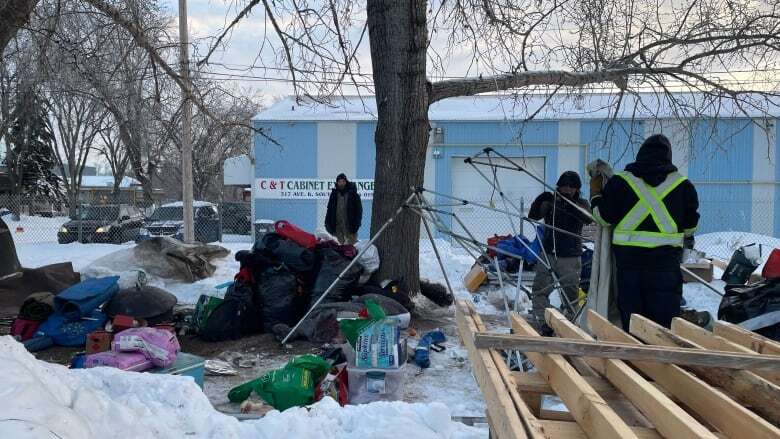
81 299
71 332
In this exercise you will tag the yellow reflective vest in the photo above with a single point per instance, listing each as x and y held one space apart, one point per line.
650 203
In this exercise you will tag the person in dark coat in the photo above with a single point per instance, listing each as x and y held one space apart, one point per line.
654 211
345 211
563 251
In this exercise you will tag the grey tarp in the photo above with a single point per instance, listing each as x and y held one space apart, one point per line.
602 296
164 258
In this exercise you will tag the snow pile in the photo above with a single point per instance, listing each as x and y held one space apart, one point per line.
49 400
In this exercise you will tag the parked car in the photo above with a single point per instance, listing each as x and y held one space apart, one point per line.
236 218
168 220
109 223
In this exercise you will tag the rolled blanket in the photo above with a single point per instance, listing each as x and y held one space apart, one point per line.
37 306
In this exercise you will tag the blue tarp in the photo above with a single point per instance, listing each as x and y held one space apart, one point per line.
81 299
515 246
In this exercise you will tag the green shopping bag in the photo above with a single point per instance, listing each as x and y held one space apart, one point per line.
291 386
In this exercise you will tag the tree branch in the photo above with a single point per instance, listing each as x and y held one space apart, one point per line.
471 86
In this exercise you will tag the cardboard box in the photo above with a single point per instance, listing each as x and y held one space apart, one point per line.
476 277
98 341
702 269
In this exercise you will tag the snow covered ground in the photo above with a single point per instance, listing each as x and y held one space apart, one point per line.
51 401
447 388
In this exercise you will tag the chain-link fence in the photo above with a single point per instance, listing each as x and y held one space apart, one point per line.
119 219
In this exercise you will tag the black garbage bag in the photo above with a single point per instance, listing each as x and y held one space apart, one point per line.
279 297
740 267
333 263
238 315
741 303
295 257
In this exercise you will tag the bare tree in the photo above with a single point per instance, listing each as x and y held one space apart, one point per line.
557 49
114 153
213 140
77 122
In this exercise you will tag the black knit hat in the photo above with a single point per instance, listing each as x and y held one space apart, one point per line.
570 179
655 149
342 176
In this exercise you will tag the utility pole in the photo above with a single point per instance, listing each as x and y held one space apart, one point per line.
186 134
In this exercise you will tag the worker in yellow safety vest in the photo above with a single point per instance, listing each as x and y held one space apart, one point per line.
654 212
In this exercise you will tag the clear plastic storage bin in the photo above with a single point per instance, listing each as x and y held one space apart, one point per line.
369 385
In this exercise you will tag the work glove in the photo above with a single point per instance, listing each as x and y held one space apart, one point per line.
689 242
596 185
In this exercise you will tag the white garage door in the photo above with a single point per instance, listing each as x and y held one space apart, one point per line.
516 185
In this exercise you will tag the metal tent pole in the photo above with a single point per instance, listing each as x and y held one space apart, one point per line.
467 202
436 250
352 263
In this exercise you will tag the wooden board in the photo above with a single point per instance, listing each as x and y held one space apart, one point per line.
748 339
533 382
590 410
746 387
711 404
627 351
506 420
571 430
708 340
668 418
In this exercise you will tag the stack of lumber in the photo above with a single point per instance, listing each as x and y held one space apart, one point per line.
685 382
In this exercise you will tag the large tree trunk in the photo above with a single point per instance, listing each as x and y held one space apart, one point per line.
398 37
14 14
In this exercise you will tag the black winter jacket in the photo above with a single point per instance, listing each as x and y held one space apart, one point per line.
618 198
354 209
560 214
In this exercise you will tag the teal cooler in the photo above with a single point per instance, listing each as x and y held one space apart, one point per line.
186 365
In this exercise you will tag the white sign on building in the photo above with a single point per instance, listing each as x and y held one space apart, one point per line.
306 188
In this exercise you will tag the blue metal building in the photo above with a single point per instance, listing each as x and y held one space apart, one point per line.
731 158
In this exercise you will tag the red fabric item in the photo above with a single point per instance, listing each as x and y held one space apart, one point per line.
287 230
245 275
363 314
24 329
493 242
335 385
772 267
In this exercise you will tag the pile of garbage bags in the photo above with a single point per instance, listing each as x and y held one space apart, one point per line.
282 276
